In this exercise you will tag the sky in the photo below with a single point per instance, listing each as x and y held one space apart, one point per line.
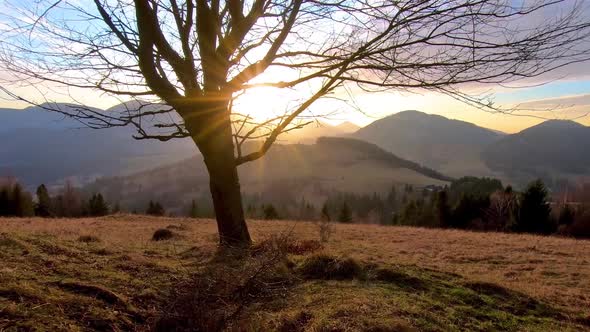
567 99
564 95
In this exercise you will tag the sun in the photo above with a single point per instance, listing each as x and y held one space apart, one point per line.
263 103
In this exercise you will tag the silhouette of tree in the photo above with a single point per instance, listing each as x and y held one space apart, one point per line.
566 215
325 213
186 62
502 212
193 211
68 203
5 201
22 202
442 209
97 206
155 209
345 215
468 209
534 213
270 212
43 206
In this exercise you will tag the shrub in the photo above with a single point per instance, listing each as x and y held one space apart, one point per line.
214 298
88 238
325 230
270 213
566 215
295 323
285 243
580 226
328 267
163 234
303 247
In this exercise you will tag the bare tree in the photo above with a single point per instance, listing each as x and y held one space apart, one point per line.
194 57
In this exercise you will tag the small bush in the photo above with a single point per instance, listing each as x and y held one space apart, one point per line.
215 297
304 247
325 229
398 278
328 267
295 323
287 245
88 238
163 234
579 227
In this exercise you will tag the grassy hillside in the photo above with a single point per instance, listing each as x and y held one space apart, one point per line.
107 274
291 171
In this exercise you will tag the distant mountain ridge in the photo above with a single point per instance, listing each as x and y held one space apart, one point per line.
552 146
43 146
47 147
554 149
432 140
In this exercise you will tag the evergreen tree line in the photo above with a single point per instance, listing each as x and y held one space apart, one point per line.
17 202
467 203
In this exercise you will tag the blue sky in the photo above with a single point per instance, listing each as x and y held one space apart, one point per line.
549 90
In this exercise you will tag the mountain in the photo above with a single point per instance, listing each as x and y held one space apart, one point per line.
311 132
552 147
347 127
451 146
46 147
286 173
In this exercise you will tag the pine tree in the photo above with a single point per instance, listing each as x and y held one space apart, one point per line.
16 201
534 212
442 209
155 209
43 207
5 202
409 215
325 213
22 202
391 202
97 207
193 211
345 214
270 212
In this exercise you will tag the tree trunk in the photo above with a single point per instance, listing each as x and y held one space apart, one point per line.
216 144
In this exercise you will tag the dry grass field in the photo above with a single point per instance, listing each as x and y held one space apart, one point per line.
108 274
